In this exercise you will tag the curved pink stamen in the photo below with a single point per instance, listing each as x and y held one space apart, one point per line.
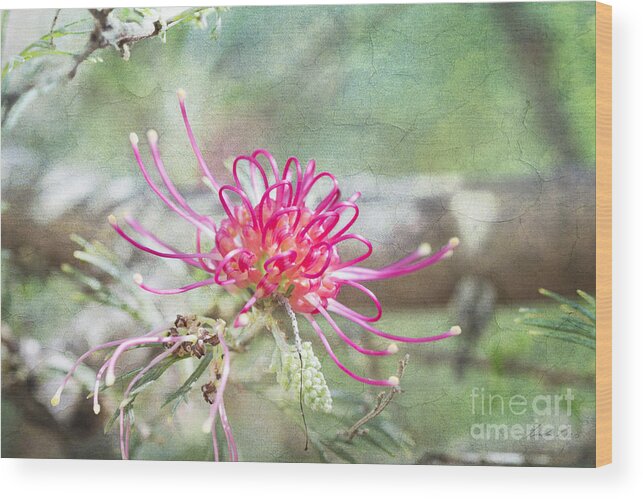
252 163
299 175
346 205
347 313
343 336
271 160
197 152
320 220
188 257
330 197
218 399
282 185
329 350
324 267
368 293
162 196
362 274
244 199
176 291
348 237
158 162
288 257
226 259
274 219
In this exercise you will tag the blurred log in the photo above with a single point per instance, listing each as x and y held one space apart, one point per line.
537 232
541 233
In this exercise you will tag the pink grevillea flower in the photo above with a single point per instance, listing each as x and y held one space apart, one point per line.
275 241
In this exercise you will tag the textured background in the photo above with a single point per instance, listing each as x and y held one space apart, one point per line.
468 120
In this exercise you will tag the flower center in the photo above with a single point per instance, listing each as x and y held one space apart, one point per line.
277 249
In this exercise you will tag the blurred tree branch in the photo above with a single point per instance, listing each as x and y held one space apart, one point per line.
115 28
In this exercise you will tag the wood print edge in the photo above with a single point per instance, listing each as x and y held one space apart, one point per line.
603 234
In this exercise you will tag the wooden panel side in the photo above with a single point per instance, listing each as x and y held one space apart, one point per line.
603 234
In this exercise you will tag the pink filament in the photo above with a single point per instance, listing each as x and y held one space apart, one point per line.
162 196
143 340
104 346
188 257
176 291
125 436
232 446
329 350
158 162
340 309
395 270
197 152
350 342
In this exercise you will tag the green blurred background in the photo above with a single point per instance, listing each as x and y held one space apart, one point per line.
471 120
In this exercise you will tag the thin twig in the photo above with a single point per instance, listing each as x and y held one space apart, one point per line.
109 31
295 328
53 26
383 400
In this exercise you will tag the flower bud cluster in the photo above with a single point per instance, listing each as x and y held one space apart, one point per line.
288 366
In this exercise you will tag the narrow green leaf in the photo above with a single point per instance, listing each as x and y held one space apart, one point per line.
587 297
569 338
576 306
185 388
564 325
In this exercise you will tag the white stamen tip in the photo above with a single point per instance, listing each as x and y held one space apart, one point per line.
111 219
455 330
243 320
424 249
207 425
133 138
180 93
138 278
97 409
393 348
152 136
394 381
454 241
110 378
55 400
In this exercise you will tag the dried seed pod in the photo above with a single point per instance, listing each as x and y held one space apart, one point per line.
209 390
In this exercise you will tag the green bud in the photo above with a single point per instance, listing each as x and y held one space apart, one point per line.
288 367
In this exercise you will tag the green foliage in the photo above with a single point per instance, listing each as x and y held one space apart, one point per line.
45 46
121 294
383 434
144 382
575 323
181 394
